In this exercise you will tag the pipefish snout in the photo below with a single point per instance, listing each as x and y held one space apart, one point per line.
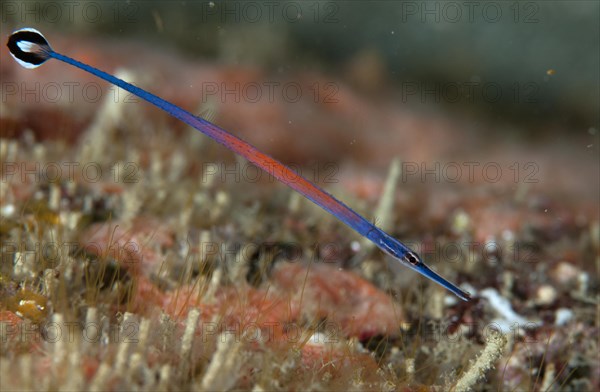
30 49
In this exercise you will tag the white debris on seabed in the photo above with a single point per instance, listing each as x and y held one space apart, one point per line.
503 308
563 316
7 210
461 223
545 295
565 273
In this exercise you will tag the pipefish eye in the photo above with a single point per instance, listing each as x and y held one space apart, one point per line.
29 47
412 258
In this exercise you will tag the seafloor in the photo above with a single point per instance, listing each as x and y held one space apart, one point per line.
137 254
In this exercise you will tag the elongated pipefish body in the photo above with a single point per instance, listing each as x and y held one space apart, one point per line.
30 49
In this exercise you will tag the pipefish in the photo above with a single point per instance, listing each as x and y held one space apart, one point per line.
30 49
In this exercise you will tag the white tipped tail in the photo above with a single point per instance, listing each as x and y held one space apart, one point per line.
29 47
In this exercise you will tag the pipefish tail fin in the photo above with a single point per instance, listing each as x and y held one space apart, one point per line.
29 47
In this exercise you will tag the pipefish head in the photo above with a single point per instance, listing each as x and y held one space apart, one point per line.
29 47
410 259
